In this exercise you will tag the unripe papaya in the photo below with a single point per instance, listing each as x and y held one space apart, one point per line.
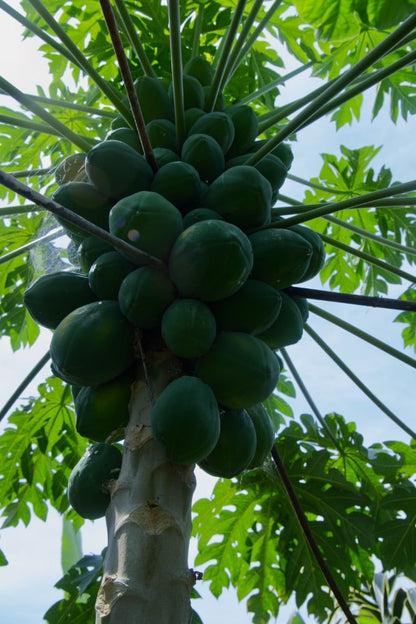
210 260
144 295
281 257
93 344
252 309
318 251
235 447
188 328
147 221
87 492
242 195
200 214
162 133
53 296
218 125
117 170
86 201
204 153
106 274
193 93
191 116
179 183
264 434
199 68
240 369
153 98
90 249
246 129
270 167
185 420
163 156
287 329
126 135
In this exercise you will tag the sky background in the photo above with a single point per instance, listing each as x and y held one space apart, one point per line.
26 584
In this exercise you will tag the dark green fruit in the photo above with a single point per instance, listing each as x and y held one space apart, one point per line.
147 221
235 447
204 153
318 251
53 296
281 257
87 202
240 369
106 274
117 170
163 156
93 344
119 122
102 409
154 99
246 129
242 196
188 328
90 249
87 491
303 306
264 434
179 183
185 420
210 260
218 125
193 93
287 328
199 68
270 167
283 151
252 309
162 133
219 102
126 135
200 214
144 295
69 168
191 116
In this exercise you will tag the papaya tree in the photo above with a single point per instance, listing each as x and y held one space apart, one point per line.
145 225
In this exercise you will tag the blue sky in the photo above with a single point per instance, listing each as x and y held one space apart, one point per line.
26 584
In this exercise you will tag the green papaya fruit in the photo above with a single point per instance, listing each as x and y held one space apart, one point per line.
218 125
252 309
53 296
126 135
106 274
154 100
90 249
235 447
271 167
318 251
179 183
240 368
200 214
87 491
191 116
281 256
264 434
162 133
163 156
204 153
246 129
119 122
117 169
92 344
147 221
242 195
188 328
199 68
185 420
210 260
287 329
144 295
86 201
193 93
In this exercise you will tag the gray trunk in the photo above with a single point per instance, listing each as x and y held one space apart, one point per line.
146 578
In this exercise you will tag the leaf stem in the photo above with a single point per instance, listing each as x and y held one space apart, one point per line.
303 521
18 122
358 382
274 83
54 123
15 210
56 233
364 335
335 88
197 29
228 40
363 300
134 38
177 75
128 83
82 108
298 207
51 205
23 385
82 61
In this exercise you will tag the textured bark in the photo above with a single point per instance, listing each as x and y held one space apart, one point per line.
146 578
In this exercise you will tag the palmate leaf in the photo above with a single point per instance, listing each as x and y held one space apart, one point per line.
39 447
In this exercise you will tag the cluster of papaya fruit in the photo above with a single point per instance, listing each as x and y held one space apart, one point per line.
218 304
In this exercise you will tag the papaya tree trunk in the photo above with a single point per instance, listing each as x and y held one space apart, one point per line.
146 578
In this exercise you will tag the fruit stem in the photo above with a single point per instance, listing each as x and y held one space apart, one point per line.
146 578
23 385
177 75
197 30
134 39
363 300
128 83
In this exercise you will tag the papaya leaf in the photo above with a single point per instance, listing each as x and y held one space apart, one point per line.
3 560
